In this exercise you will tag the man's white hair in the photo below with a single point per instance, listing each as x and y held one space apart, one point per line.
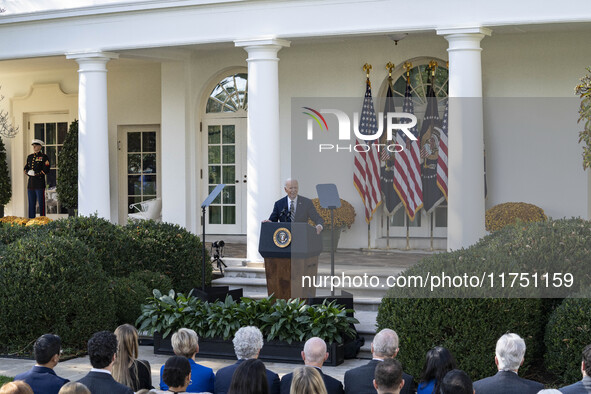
248 341
510 351
385 343
289 180
315 350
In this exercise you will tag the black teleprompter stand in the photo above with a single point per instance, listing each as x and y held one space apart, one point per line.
211 293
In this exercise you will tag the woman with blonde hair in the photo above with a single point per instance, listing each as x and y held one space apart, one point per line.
16 387
185 343
307 380
127 369
74 388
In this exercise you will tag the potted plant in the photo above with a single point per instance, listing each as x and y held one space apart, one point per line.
285 324
344 216
67 177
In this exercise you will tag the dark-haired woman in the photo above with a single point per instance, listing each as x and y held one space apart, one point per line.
438 362
177 374
249 378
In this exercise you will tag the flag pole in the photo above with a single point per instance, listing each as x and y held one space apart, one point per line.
387 232
407 232
368 237
431 231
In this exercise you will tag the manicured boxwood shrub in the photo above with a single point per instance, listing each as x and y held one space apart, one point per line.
131 291
11 232
171 250
469 328
567 333
51 284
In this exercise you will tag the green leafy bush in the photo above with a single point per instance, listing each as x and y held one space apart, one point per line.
129 293
10 232
67 176
289 321
567 333
171 250
5 185
51 284
468 328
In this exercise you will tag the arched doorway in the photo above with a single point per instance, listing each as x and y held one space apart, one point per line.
224 151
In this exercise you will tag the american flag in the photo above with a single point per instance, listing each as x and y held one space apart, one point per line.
442 160
407 166
366 168
391 200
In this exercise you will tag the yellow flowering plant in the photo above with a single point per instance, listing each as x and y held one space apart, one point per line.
508 213
20 221
343 216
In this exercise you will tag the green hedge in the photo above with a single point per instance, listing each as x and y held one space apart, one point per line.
469 327
88 271
51 284
567 333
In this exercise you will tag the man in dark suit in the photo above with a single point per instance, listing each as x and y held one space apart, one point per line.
295 208
360 380
314 355
41 377
102 350
248 343
509 355
388 377
582 386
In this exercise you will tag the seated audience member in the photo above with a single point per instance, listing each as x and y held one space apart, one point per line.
177 374
509 355
74 388
360 379
456 382
388 377
250 378
314 355
584 385
42 377
307 380
185 343
102 351
16 387
128 370
248 343
439 361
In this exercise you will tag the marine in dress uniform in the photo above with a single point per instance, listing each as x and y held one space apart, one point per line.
36 169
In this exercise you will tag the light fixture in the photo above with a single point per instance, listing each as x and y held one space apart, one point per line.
397 37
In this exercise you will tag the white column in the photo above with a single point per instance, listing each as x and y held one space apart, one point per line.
93 134
174 139
465 210
263 168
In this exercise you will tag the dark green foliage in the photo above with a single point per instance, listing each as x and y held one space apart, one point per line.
67 177
51 284
113 246
5 186
130 292
5 379
469 328
567 333
10 232
289 321
171 250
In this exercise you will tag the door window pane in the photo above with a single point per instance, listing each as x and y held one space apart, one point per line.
229 193
213 134
229 215
149 184
229 136
134 162
215 214
40 131
214 175
229 154
149 163
149 138
51 152
50 134
134 185
218 199
134 142
229 175
213 155
142 166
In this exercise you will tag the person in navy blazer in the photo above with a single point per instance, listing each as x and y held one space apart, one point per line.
303 210
248 342
42 378
102 350
360 380
509 356
314 355
582 386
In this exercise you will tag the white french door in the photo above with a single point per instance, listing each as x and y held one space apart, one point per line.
224 153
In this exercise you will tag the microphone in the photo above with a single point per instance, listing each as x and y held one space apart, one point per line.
282 214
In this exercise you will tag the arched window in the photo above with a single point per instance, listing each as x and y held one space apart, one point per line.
230 95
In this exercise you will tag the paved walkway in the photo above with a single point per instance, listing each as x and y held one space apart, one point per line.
77 368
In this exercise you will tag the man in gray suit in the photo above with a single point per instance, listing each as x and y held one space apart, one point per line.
582 386
360 380
509 356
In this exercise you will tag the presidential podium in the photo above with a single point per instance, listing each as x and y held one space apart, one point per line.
291 252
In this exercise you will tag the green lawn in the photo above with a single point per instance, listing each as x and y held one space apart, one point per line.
4 379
